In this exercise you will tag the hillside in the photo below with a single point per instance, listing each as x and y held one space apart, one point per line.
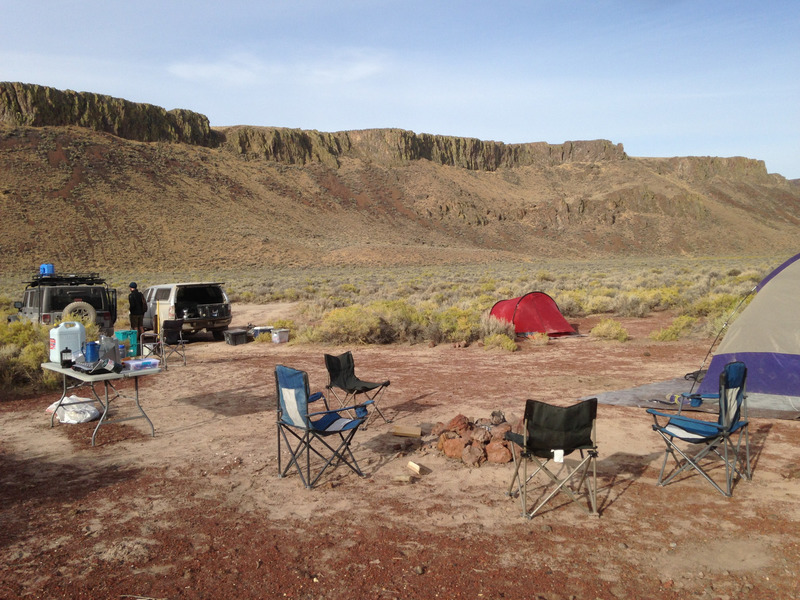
93 182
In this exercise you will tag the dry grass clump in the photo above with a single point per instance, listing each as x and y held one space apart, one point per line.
609 329
499 341
680 327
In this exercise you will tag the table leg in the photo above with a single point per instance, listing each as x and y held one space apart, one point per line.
74 386
105 411
109 399
60 400
139 406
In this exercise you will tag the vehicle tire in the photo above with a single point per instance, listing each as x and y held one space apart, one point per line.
219 334
80 310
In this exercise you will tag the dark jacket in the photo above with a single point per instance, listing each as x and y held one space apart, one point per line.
136 303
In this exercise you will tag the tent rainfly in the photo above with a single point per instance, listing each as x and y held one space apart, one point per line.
535 312
766 337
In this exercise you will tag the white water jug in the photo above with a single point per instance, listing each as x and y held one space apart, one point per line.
69 334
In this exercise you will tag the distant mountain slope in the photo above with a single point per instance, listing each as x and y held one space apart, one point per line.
94 182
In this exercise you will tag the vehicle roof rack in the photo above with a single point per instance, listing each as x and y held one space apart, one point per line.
67 279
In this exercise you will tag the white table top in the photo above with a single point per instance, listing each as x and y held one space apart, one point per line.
126 373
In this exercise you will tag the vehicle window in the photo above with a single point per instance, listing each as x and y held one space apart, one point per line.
31 299
65 296
202 294
162 294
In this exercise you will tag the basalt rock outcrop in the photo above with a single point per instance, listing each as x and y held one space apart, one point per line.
38 106
394 147
93 182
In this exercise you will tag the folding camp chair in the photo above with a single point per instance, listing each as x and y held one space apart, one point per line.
720 440
166 342
550 433
304 432
341 371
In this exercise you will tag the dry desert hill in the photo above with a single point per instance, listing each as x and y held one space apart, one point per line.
93 182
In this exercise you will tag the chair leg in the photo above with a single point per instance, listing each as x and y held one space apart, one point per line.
692 462
581 468
375 398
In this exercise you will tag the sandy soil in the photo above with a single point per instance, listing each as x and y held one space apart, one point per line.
198 511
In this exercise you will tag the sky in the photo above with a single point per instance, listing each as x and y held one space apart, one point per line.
662 77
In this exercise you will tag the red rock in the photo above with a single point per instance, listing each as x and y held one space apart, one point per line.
454 447
459 423
497 452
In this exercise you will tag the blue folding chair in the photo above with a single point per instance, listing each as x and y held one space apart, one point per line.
720 440
304 432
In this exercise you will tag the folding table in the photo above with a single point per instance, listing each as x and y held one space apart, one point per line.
76 379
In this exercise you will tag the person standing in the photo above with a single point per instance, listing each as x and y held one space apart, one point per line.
137 309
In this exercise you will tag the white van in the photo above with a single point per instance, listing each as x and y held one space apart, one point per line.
201 305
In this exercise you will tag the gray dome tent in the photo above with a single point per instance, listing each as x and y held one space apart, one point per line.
766 337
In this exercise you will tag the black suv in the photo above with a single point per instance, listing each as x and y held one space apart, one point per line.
50 297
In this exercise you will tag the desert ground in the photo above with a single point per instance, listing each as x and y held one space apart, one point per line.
198 510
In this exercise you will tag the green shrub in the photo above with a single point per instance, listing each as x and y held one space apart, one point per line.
599 304
24 345
680 327
454 324
349 325
713 304
499 341
491 325
609 329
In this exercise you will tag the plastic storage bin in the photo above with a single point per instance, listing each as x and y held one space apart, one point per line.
279 336
139 364
257 331
234 337
128 337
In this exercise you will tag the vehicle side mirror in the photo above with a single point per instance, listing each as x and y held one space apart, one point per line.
18 305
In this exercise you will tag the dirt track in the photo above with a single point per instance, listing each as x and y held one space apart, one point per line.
199 512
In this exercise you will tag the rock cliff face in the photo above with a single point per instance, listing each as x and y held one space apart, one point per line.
38 106
393 147
96 183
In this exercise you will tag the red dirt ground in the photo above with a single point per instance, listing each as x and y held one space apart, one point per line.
198 511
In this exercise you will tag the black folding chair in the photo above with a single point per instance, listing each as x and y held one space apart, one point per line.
550 434
168 340
342 377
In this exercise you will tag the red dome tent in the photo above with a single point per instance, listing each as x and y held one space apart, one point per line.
535 312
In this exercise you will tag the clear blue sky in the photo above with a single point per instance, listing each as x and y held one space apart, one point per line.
663 77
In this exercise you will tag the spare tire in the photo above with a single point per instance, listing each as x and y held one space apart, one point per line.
80 310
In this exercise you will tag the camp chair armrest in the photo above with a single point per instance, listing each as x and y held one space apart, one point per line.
316 396
687 423
344 408
656 413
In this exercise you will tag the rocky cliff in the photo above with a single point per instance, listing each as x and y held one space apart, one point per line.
394 147
93 182
38 106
